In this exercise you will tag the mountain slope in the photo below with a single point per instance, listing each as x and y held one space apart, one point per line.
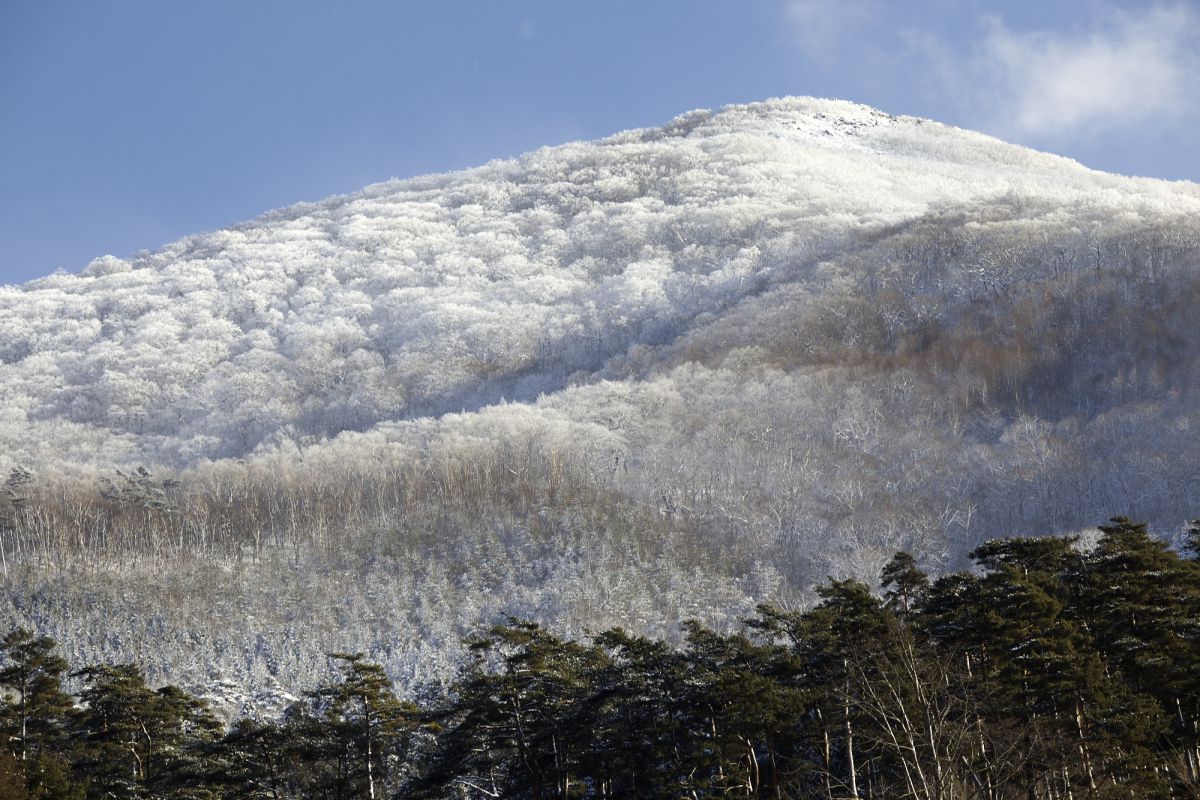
670 373
417 297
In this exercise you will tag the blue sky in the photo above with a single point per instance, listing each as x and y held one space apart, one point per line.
126 124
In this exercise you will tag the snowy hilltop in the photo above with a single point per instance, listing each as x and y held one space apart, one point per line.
516 279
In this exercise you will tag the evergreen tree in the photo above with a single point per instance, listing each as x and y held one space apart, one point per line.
1041 661
136 742
746 709
1191 540
1143 608
186 733
251 762
522 714
904 584
365 725
33 721
835 644
12 778
645 732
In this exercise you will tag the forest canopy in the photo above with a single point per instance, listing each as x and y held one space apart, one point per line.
1049 670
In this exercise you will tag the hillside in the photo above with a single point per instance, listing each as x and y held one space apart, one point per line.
667 374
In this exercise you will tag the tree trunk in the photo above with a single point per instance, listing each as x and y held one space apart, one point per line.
1083 751
1191 754
754 778
850 753
370 753
828 759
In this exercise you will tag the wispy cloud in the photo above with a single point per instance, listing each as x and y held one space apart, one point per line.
821 26
1127 70
1112 69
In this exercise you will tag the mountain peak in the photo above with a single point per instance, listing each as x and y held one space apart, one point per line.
419 296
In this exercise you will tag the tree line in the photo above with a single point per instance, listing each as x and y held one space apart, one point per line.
1051 670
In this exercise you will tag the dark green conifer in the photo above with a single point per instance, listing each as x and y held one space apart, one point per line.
365 724
745 709
251 762
644 718
32 673
34 718
1143 604
904 584
521 721
135 741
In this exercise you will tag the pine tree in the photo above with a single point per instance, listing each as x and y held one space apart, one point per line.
251 761
651 721
1143 608
745 709
33 720
186 733
904 584
1040 660
835 643
520 715
1191 540
12 778
135 741
364 722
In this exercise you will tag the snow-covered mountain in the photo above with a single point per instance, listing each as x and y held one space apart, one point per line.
772 342
417 297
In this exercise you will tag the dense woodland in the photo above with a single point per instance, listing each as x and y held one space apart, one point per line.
1051 670
669 375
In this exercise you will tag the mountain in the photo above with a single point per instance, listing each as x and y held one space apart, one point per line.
666 374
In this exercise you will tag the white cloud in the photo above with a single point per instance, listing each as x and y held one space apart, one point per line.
1048 86
820 27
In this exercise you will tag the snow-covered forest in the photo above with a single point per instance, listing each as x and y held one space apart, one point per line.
1053 669
666 375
